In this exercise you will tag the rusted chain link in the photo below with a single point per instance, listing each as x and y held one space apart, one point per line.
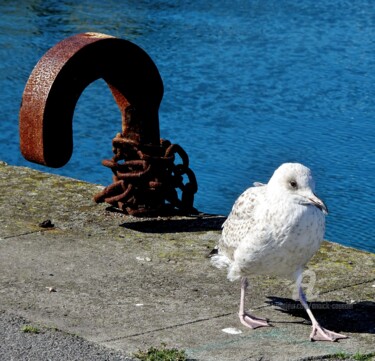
146 179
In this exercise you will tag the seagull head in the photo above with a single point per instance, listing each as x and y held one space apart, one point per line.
296 180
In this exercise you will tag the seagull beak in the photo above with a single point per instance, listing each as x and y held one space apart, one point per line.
317 202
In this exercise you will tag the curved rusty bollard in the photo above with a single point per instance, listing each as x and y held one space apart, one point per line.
147 176
60 77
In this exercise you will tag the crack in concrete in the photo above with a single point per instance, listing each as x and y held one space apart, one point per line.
347 286
167 327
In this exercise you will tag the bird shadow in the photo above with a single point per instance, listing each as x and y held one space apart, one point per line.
346 317
198 223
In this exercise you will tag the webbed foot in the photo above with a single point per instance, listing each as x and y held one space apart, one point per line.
320 333
252 321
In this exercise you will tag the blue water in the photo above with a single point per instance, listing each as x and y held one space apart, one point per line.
248 85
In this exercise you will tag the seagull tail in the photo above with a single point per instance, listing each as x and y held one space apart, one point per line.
213 252
220 260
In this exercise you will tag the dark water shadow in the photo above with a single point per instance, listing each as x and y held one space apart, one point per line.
199 223
334 315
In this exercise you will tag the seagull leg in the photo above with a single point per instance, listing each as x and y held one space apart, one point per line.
245 318
318 332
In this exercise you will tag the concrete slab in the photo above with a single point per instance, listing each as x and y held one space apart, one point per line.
130 284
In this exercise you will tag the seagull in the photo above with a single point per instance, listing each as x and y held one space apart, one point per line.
274 229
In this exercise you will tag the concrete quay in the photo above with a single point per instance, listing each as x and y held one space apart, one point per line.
123 284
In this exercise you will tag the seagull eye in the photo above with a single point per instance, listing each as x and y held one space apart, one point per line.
293 184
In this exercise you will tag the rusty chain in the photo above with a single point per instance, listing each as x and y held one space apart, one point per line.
146 179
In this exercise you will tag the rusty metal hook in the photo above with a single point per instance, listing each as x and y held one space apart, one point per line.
61 75
144 174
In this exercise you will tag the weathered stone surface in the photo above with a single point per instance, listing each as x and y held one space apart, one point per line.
131 283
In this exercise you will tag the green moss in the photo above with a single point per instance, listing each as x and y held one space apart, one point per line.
363 357
30 329
161 354
356 357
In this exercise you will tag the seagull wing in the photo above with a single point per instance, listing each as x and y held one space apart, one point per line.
241 219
